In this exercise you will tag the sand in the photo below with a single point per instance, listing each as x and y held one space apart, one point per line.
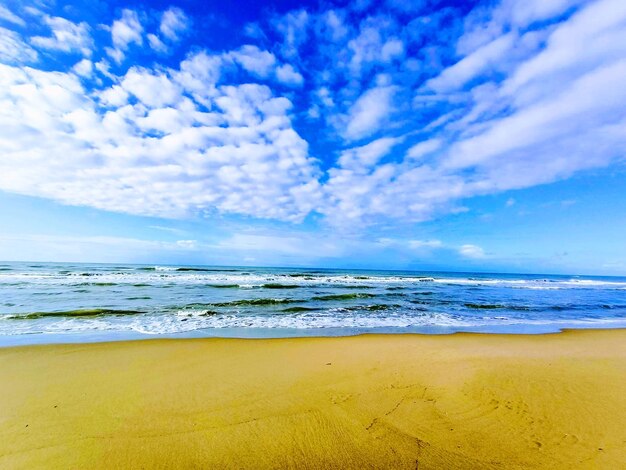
381 401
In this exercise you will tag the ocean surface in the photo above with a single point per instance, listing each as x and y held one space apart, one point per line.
54 302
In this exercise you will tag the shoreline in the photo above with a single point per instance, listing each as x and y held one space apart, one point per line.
44 339
464 400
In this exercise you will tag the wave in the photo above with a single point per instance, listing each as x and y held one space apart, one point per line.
196 313
484 306
253 302
299 309
337 318
208 270
371 308
432 302
184 269
534 284
355 295
273 285
522 308
87 312
586 307
351 286
97 284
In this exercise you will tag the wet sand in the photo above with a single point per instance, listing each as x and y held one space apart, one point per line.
376 401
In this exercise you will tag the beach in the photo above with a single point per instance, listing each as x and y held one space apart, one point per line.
370 401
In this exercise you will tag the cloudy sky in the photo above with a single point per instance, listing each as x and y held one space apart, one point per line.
430 134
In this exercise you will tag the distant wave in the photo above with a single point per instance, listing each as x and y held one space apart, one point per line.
89 312
183 269
493 306
371 308
279 286
356 295
209 270
252 302
98 284
299 309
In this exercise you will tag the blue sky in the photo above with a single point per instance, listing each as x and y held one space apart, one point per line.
391 134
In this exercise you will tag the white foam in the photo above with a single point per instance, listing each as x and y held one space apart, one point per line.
168 274
191 320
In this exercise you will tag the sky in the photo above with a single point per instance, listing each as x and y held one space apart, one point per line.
423 135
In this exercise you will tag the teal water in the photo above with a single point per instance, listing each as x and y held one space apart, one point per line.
51 302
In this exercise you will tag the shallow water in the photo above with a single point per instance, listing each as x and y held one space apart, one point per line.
49 302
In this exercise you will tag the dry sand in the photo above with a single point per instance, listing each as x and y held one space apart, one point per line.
409 401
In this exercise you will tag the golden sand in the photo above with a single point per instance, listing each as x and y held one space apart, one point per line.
410 401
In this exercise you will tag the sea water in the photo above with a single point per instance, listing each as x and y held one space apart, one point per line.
52 302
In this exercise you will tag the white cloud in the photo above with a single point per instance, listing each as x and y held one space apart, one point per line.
370 48
369 112
597 95
116 54
293 28
173 22
503 135
101 248
525 13
337 30
57 142
536 95
393 48
173 230
125 31
423 148
66 36
254 60
151 89
590 38
484 24
288 75
156 44
368 155
84 68
471 251
113 96
11 17
187 244
103 67
469 67
13 49
417 244
198 74
254 31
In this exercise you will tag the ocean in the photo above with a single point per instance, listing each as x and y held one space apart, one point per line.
69 302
